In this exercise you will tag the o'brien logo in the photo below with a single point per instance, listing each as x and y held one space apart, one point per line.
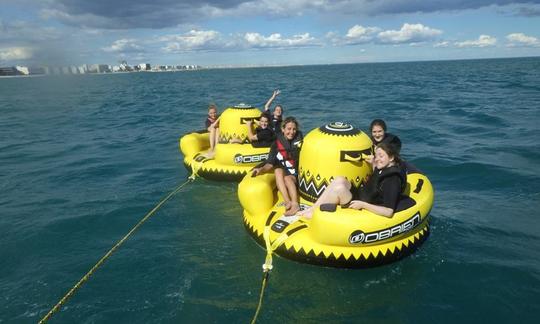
359 237
239 158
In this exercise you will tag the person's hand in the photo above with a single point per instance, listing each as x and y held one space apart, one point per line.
369 159
356 204
276 92
249 122
255 172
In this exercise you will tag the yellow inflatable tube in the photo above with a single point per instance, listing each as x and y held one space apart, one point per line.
231 161
341 237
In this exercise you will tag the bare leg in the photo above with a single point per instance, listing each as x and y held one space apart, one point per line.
337 192
290 183
282 187
214 137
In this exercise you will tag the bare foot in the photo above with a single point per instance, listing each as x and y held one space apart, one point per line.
209 154
293 210
287 205
236 140
306 213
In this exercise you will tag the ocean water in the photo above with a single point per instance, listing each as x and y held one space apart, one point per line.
84 158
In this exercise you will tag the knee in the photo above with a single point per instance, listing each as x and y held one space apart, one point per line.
290 180
339 182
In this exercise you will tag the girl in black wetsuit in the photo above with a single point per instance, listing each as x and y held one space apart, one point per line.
283 158
263 136
381 193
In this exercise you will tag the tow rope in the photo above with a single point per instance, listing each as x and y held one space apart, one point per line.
267 265
87 276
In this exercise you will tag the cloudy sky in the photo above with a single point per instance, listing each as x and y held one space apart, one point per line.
264 32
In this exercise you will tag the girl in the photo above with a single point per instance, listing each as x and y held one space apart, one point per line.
263 136
283 158
381 193
212 125
277 116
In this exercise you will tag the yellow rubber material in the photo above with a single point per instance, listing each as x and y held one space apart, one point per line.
231 161
345 237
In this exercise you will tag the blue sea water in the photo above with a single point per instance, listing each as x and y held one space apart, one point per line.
84 158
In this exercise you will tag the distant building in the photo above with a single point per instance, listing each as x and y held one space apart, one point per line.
144 67
99 68
83 69
125 67
9 70
22 70
36 70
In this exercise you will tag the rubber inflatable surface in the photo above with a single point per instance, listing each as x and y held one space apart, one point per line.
336 236
231 161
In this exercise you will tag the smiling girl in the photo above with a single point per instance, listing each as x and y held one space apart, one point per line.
381 193
283 158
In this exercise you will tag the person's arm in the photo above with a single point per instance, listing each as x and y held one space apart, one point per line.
269 102
215 124
379 210
391 191
251 136
260 170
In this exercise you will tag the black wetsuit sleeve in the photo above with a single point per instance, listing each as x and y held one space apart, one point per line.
265 135
391 191
265 138
272 157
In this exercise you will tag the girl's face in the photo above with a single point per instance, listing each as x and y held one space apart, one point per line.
278 111
263 123
378 133
289 130
382 159
212 113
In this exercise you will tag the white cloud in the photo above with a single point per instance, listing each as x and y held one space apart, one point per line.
482 41
193 40
409 33
442 44
123 45
360 34
15 53
520 39
276 41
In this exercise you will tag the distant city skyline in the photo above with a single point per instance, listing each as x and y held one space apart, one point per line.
264 32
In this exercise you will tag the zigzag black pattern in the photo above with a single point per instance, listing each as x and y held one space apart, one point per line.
340 261
218 175
226 138
309 189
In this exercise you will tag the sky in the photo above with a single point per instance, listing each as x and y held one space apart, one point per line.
264 32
